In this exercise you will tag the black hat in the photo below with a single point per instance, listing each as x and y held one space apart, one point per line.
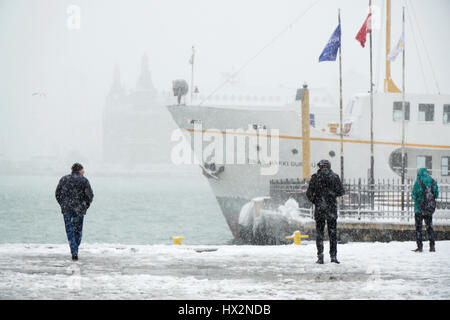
324 164
76 167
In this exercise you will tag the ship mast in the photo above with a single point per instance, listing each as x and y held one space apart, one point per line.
191 62
340 104
372 160
403 111
389 85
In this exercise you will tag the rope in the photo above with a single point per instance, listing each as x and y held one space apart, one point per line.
289 26
425 47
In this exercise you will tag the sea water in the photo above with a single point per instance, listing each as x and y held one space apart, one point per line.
127 209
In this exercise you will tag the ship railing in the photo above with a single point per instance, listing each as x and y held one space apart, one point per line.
385 200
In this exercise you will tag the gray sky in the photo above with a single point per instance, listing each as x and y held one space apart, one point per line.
74 68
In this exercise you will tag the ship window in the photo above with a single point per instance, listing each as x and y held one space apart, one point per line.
446 113
424 162
396 161
445 164
426 112
398 111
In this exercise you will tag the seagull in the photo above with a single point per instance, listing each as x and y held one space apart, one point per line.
39 94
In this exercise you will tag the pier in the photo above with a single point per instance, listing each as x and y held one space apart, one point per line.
383 211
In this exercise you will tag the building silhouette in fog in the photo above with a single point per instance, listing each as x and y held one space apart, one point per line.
136 124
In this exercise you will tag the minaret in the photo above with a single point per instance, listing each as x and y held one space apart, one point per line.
111 117
116 86
145 78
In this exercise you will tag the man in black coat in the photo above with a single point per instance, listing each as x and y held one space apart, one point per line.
324 187
74 195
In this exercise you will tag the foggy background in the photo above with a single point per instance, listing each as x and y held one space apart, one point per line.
54 79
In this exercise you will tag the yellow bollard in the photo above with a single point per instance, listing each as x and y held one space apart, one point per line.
297 236
177 240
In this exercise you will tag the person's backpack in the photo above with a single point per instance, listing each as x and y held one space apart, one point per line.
428 205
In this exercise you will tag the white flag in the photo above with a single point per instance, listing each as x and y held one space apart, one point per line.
398 48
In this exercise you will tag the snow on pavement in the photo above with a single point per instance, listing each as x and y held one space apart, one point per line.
108 271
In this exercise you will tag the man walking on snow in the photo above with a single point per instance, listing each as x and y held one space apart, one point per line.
424 194
324 187
74 195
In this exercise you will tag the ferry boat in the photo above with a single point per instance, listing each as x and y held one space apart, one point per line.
427 128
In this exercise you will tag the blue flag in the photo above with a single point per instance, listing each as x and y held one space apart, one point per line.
330 51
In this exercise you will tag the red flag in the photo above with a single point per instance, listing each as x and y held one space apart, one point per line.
365 29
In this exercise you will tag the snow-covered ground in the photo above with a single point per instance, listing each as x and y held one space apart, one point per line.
107 271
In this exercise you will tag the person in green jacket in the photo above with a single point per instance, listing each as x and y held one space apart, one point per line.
417 195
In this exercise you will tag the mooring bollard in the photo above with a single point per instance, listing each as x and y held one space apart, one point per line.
177 240
297 236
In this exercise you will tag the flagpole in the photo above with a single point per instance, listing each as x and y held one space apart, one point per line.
372 160
192 72
403 112
340 100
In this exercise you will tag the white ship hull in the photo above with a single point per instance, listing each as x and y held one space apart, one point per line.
239 183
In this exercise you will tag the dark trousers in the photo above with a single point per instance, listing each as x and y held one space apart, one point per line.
74 230
429 223
332 234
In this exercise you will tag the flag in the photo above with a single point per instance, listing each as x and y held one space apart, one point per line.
330 51
365 29
398 48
